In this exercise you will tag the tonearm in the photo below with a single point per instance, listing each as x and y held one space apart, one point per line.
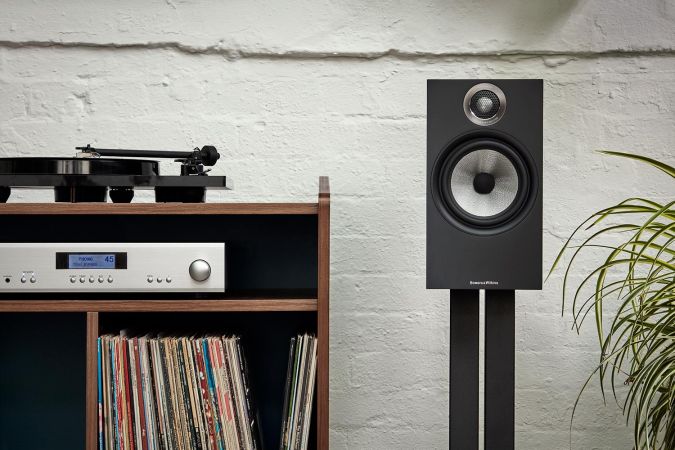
192 163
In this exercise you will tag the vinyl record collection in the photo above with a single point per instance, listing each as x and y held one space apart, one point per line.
174 393
193 393
299 393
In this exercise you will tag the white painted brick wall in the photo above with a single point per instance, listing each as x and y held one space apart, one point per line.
293 90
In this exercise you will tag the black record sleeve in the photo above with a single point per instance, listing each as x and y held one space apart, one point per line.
287 392
254 416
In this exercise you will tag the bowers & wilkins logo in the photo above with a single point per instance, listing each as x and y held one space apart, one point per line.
484 283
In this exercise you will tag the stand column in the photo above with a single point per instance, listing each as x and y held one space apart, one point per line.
499 369
464 316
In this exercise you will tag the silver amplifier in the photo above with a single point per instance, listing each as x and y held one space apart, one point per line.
119 267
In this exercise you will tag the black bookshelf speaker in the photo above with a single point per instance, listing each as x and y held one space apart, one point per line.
484 184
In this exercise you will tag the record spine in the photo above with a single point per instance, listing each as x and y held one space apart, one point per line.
284 410
99 365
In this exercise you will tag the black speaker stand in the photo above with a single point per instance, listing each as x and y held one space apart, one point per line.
499 377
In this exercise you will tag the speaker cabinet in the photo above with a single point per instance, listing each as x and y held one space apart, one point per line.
484 184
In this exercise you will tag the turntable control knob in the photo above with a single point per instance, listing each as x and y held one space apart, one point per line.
200 270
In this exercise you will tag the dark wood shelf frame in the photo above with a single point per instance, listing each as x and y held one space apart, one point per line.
267 302
159 208
323 327
173 305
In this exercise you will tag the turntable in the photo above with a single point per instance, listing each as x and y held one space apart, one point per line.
96 173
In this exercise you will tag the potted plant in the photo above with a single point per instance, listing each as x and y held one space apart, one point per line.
631 296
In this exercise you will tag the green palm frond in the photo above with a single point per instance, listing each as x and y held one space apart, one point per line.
637 278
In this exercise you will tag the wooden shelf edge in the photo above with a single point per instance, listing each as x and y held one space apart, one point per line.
192 305
159 208
323 316
324 187
91 382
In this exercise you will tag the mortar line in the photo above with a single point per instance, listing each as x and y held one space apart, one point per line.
232 53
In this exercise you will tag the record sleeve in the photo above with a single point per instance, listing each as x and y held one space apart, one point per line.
107 410
99 375
228 395
160 395
302 393
135 424
147 391
128 405
143 434
183 401
287 392
310 393
196 407
294 383
170 405
213 394
297 392
237 395
252 411
204 389
119 400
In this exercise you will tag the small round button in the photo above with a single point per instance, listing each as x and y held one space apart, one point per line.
200 270
159 280
110 279
168 279
91 279
33 279
100 278
73 278
23 279
149 279
82 279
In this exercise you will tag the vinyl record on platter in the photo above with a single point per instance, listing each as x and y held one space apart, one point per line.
78 166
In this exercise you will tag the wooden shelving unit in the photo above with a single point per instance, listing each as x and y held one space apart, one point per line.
278 254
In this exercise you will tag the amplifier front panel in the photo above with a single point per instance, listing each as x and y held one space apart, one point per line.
112 267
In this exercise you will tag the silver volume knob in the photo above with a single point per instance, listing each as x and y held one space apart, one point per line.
200 270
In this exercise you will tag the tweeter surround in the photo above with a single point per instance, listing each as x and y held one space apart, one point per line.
484 182
484 104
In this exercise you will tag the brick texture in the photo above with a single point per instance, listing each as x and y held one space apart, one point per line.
289 91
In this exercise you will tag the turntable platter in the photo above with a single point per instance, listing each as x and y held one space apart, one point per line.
78 166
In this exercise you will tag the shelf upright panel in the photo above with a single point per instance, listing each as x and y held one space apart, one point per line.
323 325
92 382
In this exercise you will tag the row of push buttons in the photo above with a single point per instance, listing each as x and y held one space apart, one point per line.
32 279
158 279
101 279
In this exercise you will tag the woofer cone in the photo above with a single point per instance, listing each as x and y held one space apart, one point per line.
484 184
